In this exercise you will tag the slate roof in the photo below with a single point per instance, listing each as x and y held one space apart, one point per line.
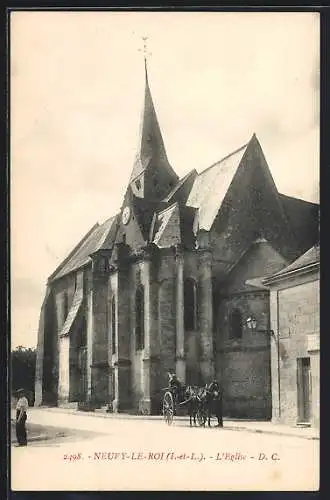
151 145
172 226
211 185
200 197
100 237
75 307
181 190
312 256
259 260
144 211
166 227
303 217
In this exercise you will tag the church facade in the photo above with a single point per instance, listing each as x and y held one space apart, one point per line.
168 283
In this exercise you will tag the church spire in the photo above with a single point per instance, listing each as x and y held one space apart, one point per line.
151 154
146 70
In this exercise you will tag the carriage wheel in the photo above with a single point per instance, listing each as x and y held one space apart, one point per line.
201 416
168 408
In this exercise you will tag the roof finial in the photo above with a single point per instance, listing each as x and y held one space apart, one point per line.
145 54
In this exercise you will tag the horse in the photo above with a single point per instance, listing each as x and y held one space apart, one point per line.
192 395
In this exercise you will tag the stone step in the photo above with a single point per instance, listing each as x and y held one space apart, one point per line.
70 406
104 409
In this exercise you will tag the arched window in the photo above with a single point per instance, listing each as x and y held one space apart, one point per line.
139 318
236 324
113 324
81 338
190 304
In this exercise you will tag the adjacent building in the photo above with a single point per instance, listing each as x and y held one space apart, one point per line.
295 319
168 282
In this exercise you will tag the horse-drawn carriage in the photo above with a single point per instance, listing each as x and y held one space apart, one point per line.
201 402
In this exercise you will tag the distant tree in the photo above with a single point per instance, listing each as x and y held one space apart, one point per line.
23 364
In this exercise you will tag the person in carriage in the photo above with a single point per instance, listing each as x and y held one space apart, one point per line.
175 385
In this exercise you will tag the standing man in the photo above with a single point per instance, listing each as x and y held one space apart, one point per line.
21 416
215 397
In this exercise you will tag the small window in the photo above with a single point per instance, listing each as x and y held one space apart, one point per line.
138 184
139 318
113 324
236 324
190 304
103 265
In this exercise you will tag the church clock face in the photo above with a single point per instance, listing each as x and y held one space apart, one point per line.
126 215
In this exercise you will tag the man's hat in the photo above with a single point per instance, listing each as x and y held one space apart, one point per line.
20 390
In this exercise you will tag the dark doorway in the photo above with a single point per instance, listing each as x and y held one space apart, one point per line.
304 389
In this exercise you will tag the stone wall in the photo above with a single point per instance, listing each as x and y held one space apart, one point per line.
146 362
166 320
64 370
121 362
62 292
100 367
243 365
47 354
136 279
193 347
295 315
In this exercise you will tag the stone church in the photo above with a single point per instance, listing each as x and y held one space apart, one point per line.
168 283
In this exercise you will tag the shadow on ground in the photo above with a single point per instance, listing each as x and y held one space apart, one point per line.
40 435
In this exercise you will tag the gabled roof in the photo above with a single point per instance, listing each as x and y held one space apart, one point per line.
144 211
258 260
303 217
166 227
312 256
173 226
211 185
309 261
100 237
184 184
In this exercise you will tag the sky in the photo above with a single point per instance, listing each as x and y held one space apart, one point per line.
77 85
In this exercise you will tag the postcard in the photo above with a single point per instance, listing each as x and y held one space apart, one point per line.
164 179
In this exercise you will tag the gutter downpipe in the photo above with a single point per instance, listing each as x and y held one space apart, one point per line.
278 353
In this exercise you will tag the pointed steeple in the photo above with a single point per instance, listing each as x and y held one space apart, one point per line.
151 154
